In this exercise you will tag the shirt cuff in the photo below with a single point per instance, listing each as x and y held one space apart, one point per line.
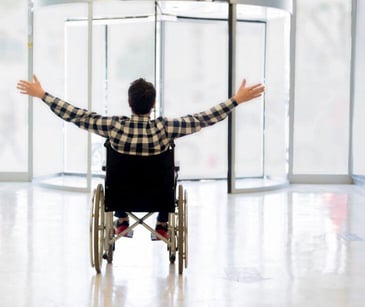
48 98
235 103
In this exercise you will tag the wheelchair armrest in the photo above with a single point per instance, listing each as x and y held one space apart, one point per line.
177 166
176 169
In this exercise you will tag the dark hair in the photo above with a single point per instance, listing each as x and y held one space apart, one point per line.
141 96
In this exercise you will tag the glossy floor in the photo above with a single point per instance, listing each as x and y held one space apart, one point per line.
300 246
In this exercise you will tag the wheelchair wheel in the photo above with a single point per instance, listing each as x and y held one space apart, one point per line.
109 235
186 228
97 228
182 229
172 238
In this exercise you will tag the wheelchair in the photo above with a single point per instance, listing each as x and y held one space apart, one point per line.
138 184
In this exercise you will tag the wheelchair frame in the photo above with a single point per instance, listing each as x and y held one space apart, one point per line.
103 239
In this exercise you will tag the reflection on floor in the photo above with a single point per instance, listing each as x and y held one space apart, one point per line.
299 246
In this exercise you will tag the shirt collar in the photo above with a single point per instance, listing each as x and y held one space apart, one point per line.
144 118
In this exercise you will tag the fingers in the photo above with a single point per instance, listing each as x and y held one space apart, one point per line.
23 82
255 86
25 87
256 89
24 92
243 84
35 79
22 86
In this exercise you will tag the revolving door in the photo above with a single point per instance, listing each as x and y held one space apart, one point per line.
196 54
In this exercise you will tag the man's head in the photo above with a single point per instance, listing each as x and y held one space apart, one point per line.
141 96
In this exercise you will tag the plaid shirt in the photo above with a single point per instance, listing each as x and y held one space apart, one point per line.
138 135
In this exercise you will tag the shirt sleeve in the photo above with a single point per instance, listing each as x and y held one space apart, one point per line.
189 124
84 119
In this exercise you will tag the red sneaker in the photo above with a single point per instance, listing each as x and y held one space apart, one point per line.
120 227
162 230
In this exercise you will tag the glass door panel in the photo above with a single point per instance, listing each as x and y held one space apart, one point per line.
14 107
260 127
123 50
76 62
249 118
277 68
57 63
323 48
194 79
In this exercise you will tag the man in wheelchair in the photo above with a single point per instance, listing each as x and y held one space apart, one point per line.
139 135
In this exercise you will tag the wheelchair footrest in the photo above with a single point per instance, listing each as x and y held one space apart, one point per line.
129 234
154 237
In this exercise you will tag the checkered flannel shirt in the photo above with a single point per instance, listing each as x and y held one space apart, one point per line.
138 135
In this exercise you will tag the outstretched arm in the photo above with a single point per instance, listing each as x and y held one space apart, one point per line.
31 88
189 124
84 119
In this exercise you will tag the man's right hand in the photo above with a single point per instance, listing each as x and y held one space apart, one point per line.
247 93
31 88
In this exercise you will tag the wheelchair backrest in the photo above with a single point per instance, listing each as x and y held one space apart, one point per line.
139 183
